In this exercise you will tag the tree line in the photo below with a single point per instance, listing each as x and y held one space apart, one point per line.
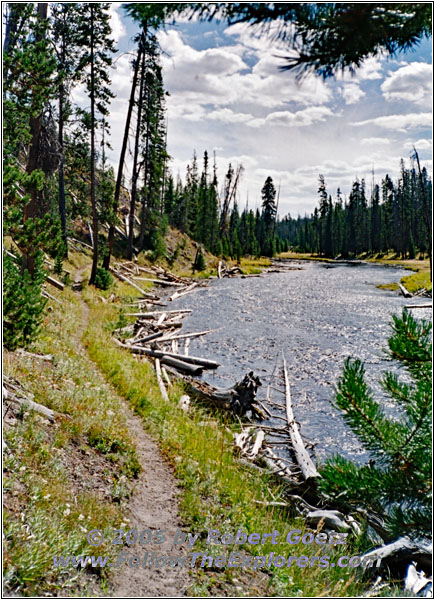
392 216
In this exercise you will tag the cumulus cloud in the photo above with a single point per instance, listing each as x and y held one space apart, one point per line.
412 83
300 118
352 93
399 122
118 28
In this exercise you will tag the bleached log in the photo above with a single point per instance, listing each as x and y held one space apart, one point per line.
195 360
55 283
303 459
402 550
417 583
183 292
161 319
126 280
165 358
160 381
48 357
80 242
220 269
186 347
166 376
50 297
404 291
157 313
39 408
259 439
186 335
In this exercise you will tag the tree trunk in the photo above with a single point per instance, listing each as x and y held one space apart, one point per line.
62 206
30 210
427 219
146 191
93 182
111 236
135 161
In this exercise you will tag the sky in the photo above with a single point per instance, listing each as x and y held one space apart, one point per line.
228 96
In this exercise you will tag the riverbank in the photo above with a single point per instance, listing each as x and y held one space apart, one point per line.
419 280
76 474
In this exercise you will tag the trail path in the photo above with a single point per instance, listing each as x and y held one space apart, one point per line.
154 504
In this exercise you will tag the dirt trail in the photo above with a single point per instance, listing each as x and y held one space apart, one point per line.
154 504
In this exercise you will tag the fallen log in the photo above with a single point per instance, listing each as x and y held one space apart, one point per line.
303 459
184 292
404 291
50 297
238 399
160 381
126 280
48 357
55 283
401 552
418 306
195 360
157 313
181 365
26 402
186 365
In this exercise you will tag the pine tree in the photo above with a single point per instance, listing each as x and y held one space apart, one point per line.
395 484
94 34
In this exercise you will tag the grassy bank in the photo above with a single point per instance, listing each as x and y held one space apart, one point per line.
217 493
65 478
420 279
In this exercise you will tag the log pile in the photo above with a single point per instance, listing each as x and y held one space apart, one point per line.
258 447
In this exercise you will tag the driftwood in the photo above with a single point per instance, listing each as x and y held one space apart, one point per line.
10 396
401 552
303 459
158 313
48 357
404 291
50 297
417 583
418 306
238 399
160 381
183 292
195 360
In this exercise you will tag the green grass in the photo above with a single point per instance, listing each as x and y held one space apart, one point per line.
52 470
217 492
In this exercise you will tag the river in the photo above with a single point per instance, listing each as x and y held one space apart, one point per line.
317 316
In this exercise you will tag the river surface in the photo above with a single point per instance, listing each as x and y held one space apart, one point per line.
317 316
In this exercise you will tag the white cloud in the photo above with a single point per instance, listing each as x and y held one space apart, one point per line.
412 83
352 93
300 118
118 28
226 115
370 68
375 141
399 122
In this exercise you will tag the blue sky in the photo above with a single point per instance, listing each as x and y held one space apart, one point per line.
227 95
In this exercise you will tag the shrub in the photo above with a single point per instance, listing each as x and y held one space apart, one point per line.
199 263
103 279
23 303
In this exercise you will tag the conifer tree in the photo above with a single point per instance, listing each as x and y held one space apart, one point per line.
95 32
395 484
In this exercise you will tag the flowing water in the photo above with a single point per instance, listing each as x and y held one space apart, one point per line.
317 316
